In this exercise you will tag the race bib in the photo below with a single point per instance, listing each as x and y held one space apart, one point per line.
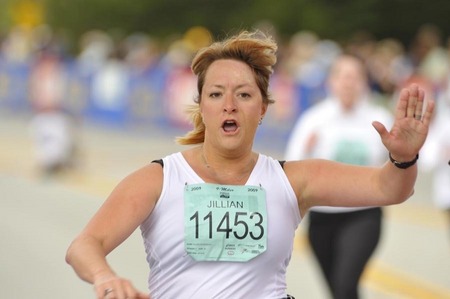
224 222
352 152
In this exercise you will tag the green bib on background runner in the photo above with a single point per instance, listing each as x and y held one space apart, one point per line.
224 222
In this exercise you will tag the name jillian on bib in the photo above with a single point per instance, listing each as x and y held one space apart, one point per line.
225 204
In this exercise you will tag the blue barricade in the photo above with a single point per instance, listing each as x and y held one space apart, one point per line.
14 86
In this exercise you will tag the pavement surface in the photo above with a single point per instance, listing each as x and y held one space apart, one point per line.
39 216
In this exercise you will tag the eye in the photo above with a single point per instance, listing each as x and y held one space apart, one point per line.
215 95
244 95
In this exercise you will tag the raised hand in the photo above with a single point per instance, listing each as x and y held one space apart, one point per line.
410 129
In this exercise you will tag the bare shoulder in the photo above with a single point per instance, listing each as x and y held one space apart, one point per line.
313 167
306 173
140 189
146 180
309 178
298 171
303 168
319 182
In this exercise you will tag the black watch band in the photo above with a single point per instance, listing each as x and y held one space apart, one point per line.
403 165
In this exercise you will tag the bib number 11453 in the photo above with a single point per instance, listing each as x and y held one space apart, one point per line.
225 223
244 225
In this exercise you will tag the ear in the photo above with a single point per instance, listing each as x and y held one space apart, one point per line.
264 109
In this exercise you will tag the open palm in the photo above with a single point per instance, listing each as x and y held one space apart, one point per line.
410 129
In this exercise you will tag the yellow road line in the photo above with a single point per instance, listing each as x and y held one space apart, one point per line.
387 280
418 214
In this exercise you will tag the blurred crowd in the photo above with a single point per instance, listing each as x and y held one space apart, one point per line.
139 79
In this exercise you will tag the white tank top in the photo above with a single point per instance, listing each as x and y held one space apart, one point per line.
174 274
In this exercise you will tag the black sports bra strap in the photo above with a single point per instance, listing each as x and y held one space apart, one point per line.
159 161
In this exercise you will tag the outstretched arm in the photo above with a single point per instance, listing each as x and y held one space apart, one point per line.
328 183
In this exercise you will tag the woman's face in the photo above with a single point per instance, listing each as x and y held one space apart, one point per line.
348 82
231 105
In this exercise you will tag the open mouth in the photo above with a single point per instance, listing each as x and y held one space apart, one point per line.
229 126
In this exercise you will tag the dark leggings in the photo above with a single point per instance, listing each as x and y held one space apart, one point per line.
343 244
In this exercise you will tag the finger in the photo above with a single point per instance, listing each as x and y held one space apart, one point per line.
121 292
99 293
130 291
105 291
419 105
111 295
412 100
118 290
402 104
428 113
381 129
140 295
104 286
135 294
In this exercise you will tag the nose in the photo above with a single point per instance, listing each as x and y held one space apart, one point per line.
229 104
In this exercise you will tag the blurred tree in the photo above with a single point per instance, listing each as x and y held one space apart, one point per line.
5 15
336 19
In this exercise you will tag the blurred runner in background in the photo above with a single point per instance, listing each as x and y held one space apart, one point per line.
338 128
